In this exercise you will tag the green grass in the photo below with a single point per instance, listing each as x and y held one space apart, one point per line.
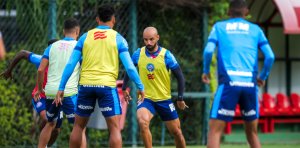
240 146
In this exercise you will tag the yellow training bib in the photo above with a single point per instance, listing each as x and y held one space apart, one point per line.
155 76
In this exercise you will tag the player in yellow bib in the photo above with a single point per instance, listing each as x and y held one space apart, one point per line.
100 50
155 64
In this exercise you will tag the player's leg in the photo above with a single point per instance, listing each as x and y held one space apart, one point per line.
84 106
110 106
113 124
69 108
56 130
216 128
40 108
249 104
52 114
145 112
222 111
251 133
175 129
168 114
77 137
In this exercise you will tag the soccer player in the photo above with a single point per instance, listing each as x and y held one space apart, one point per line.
55 58
155 64
2 48
100 49
238 41
39 106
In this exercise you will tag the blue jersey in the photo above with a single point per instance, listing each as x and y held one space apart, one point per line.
170 60
238 42
35 59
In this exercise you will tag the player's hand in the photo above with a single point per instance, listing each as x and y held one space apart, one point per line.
181 105
37 96
6 75
261 82
140 96
205 78
58 98
126 96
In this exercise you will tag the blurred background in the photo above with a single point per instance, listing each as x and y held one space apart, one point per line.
183 26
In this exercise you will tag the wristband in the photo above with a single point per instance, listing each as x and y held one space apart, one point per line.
179 98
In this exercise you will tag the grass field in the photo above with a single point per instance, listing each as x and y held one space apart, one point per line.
243 146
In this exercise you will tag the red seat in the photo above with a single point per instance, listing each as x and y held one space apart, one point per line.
295 103
237 110
283 105
268 105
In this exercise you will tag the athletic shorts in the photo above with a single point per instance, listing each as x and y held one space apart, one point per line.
165 109
108 100
39 105
226 99
55 113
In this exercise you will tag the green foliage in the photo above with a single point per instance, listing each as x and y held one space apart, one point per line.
218 12
15 117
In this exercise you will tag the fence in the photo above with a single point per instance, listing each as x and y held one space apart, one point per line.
29 25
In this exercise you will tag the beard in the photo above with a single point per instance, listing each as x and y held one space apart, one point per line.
151 47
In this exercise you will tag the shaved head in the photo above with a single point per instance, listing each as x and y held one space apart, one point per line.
151 37
150 31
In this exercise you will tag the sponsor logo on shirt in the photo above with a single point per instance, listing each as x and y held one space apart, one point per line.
99 35
237 28
242 84
226 112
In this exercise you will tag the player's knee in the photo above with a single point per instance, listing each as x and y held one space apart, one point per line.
144 125
176 132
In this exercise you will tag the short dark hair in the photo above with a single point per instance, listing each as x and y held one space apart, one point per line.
105 12
236 7
70 24
52 41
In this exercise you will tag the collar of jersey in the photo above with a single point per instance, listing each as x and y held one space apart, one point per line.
68 39
155 54
103 27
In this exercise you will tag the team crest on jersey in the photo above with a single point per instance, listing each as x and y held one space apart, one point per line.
150 67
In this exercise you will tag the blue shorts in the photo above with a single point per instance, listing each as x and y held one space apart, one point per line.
108 101
165 109
226 99
55 113
40 105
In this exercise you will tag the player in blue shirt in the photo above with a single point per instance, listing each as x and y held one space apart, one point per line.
238 41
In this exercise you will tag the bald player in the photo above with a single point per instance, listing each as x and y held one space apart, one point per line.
100 50
155 64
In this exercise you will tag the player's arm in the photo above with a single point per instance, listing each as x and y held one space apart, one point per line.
41 73
208 53
134 58
2 48
268 54
268 62
23 54
129 67
172 64
127 62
